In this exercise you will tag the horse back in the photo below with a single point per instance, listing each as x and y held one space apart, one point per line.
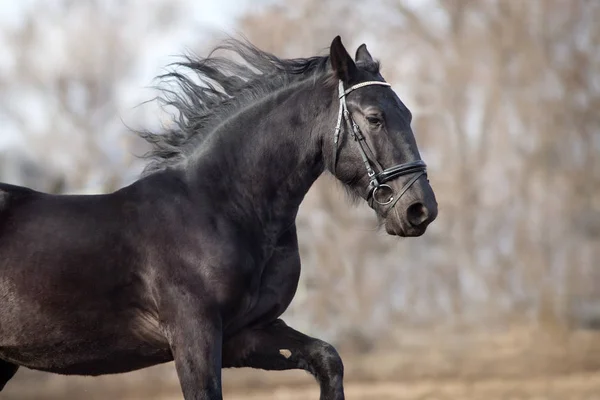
11 193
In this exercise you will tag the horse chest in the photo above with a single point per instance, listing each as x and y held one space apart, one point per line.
273 291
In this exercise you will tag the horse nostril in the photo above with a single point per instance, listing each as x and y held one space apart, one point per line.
417 214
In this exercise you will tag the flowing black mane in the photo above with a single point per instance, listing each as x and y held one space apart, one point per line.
216 89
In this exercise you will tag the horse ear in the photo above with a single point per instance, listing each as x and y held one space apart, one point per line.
362 54
341 62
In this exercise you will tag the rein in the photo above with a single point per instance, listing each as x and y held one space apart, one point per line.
378 191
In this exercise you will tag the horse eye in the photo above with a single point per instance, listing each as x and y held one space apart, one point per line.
373 120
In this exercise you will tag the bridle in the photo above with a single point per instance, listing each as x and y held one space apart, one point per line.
377 180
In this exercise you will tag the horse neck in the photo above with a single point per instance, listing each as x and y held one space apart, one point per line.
265 159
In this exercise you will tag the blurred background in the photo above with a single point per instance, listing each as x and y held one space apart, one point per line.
500 299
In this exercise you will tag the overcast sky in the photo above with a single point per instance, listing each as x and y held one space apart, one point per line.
202 17
200 23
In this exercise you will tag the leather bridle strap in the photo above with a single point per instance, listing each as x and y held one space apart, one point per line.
343 111
376 180
406 186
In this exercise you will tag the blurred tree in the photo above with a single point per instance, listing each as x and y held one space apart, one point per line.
515 88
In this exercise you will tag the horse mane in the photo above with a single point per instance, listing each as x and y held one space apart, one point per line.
216 89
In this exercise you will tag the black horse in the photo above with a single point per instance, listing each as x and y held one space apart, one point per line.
196 261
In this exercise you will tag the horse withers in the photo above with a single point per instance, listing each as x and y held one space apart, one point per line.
196 261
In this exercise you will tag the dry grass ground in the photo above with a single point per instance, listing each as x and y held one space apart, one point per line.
567 387
541 364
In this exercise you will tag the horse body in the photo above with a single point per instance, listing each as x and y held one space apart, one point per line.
197 260
109 274
112 324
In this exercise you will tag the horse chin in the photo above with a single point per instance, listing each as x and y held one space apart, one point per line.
392 231
396 228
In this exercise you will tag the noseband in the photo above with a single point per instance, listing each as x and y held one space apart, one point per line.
377 180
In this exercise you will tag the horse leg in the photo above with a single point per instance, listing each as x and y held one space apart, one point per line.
279 347
7 371
195 339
